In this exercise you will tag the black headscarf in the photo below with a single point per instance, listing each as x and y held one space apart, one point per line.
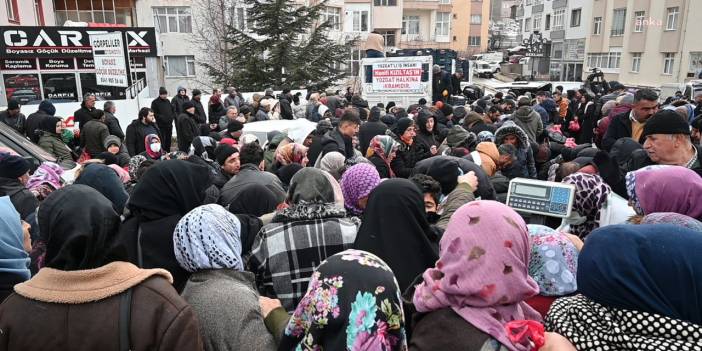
48 124
395 228
255 200
79 227
107 182
172 187
286 173
250 226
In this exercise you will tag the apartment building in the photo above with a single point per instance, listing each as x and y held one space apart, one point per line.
565 23
646 42
27 13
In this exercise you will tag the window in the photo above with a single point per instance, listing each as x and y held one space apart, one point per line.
389 37
537 22
474 41
410 25
668 62
180 66
355 61
527 25
618 22
173 19
672 22
12 11
442 23
360 21
557 50
445 2
333 16
547 26
607 60
639 19
385 2
558 16
240 15
636 62
476 19
575 17
39 12
597 26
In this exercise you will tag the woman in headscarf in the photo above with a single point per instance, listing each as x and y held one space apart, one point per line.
215 109
103 179
334 163
553 265
51 129
45 180
408 151
286 173
381 152
352 303
152 143
479 283
356 185
207 244
313 227
640 289
85 288
291 153
254 200
14 246
426 122
167 192
591 194
674 219
665 189
395 227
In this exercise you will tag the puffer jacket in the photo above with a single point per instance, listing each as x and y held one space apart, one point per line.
53 144
488 156
529 121
524 166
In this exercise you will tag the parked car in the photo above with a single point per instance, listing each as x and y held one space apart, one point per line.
486 69
22 80
24 96
10 139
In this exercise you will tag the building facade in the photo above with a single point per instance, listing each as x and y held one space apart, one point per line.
27 13
646 42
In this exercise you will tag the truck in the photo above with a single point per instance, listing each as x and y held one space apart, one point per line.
689 89
489 57
403 79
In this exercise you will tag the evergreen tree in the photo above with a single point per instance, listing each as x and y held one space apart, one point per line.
286 45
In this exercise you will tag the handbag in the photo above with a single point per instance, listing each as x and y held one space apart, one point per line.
574 125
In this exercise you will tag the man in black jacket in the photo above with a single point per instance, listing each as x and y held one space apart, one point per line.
199 109
340 139
112 122
34 120
441 82
186 127
631 124
14 174
370 129
84 114
286 111
165 115
178 100
139 129
13 117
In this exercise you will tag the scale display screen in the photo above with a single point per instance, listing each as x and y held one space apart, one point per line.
529 190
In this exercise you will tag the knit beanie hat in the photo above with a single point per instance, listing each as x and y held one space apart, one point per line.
666 122
402 125
12 166
188 104
196 92
445 171
234 126
13 105
48 107
162 90
222 153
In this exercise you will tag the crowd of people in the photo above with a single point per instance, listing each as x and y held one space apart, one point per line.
384 229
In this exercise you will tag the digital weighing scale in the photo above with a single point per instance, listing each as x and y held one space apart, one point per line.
540 197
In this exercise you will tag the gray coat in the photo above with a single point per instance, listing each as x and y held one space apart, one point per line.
530 121
226 304
250 174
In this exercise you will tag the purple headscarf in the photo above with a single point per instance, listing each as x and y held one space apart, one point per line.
667 189
357 183
45 180
482 272
674 219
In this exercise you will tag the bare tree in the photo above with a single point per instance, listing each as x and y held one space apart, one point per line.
211 21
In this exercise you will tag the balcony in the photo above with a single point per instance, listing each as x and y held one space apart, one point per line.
559 4
520 12
421 5
537 8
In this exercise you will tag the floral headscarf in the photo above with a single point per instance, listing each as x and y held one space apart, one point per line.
591 193
482 272
134 164
554 261
45 180
208 237
357 183
352 303
674 219
291 153
486 135
383 146
665 189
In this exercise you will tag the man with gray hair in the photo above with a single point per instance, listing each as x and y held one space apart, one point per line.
112 122
84 114
232 114
232 98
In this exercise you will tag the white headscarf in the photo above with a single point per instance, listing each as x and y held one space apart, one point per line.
208 237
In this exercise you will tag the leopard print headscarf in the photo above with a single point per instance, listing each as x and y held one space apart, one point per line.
591 193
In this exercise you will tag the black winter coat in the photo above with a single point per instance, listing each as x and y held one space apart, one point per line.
177 103
163 111
24 201
215 111
32 125
369 130
187 130
83 115
619 127
485 189
286 111
113 126
200 112
135 137
334 141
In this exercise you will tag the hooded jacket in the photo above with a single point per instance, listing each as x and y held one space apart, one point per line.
425 137
34 120
524 165
187 130
24 201
122 157
92 136
529 121
489 156
178 101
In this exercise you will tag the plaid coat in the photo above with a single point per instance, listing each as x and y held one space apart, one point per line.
286 252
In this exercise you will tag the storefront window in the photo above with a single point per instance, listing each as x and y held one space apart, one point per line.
60 87
22 87
88 83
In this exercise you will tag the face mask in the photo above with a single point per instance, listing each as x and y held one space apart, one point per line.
155 147
433 217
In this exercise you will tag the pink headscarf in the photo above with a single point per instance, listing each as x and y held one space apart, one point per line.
121 173
482 272
669 189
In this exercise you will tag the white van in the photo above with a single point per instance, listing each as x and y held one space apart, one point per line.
689 89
